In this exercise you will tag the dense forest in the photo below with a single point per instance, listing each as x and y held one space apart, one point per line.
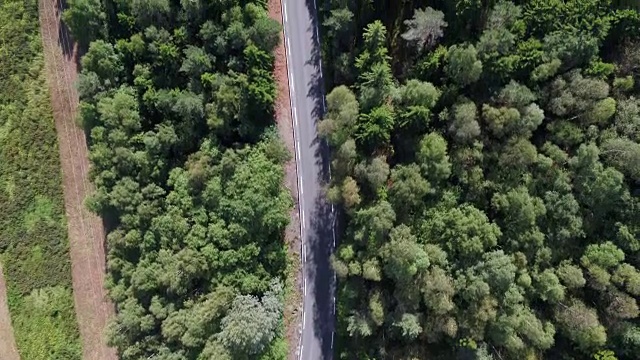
177 101
486 155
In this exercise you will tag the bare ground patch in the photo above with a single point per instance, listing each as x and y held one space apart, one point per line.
86 231
8 347
293 305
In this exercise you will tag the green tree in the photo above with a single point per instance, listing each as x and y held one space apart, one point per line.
350 193
374 128
375 172
464 230
463 66
464 124
416 98
86 20
580 324
438 290
570 275
197 61
341 118
375 48
373 223
251 324
628 277
408 326
519 216
407 189
147 12
433 159
102 59
549 287
624 155
403 258
425 28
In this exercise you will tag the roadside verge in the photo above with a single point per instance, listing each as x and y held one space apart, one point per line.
293 303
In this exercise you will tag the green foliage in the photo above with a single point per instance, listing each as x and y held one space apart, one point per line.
178 98
86 20
463 66
40 313
605 355
425 28
374 129
250 324
464 124
581 325
340 121
33 232
505 222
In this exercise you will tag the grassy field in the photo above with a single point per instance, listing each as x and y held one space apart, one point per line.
33 235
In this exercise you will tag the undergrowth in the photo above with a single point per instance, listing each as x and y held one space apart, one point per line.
33 236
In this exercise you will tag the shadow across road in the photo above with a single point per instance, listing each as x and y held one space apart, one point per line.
304 63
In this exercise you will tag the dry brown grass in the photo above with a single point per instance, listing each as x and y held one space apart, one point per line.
86 231
8 347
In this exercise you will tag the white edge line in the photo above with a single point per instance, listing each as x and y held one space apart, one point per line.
284 12
297 145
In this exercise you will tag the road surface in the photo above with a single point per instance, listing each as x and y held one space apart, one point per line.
312 165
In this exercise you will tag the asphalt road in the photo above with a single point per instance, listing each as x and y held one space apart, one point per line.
312 162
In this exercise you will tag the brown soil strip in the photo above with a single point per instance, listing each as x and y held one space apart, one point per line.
293 305
86 232
8 347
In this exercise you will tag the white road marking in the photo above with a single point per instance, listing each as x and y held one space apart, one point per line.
305 287
296 131
333 226
304 319
332 334
284 7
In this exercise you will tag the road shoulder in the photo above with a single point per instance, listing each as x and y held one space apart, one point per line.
293 303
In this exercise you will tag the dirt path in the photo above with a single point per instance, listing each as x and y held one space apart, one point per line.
86 232
293 305
8 347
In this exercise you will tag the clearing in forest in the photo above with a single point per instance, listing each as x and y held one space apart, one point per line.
86 231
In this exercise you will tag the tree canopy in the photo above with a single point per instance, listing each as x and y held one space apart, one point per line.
177 101
503 223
